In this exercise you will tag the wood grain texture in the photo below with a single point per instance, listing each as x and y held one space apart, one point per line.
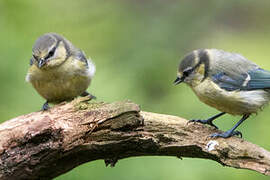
46 144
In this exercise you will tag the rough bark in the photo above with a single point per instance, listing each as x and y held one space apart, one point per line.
46 144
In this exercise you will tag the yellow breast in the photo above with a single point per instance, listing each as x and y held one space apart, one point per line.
59 84
232 102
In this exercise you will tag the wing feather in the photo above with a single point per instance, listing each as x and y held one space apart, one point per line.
252 80
234 72
259 79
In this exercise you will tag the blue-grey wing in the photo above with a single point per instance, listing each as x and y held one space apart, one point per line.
252 80
81 56
259 79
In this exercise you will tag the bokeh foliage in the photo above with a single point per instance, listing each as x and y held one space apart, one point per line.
136 46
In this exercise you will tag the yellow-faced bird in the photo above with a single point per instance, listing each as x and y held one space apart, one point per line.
226 81
58 70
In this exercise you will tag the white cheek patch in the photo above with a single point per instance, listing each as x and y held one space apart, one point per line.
91 68
55 55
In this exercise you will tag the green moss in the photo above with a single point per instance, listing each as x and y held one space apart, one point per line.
86 105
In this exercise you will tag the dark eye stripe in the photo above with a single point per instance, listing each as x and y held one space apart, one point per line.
51 53
187 71
35 57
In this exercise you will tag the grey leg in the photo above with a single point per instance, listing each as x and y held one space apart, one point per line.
45 106
208 121
232 131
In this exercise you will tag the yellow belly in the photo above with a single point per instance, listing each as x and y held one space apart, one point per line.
232 102
60 84
58 90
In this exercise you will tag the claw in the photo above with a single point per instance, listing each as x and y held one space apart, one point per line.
231 132
237 133
226 134
92 96
203 122
209 121
84 94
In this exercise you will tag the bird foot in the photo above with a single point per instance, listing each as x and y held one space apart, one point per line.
90 96
203 122
226 134
45 107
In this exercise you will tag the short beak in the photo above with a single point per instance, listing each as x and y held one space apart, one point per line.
178 80
41 62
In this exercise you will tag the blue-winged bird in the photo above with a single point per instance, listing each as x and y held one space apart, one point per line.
226 81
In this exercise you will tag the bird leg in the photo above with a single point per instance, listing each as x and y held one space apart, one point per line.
232 131
45 106
85 93
208 121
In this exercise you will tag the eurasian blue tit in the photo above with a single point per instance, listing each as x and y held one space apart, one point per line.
58 70
226 81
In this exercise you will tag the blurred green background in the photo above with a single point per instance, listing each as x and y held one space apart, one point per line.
136 46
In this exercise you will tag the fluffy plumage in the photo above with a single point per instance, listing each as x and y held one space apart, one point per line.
58 70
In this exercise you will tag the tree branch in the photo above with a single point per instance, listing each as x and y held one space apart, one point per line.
47 144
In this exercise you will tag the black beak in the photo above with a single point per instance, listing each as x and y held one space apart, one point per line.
41 62
178 80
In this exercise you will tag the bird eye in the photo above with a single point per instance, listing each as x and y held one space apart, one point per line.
51 53
187 72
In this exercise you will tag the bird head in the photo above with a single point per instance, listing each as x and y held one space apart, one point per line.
193 68
50 50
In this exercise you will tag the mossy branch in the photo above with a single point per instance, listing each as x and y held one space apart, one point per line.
43 145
